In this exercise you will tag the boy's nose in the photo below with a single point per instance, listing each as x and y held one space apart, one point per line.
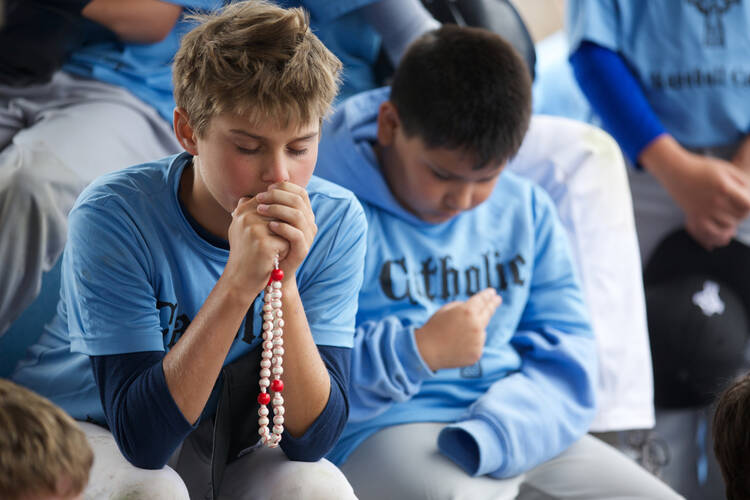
276 170
460 197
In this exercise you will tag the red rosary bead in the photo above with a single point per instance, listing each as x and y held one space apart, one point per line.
264 398
277 385
277 275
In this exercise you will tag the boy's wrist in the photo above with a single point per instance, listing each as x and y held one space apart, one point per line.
664 157
425 348
240 293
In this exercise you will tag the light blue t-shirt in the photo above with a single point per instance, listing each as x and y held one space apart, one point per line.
143 69
691 59
135 273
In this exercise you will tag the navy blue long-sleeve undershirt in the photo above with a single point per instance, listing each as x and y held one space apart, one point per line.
617 98
148 426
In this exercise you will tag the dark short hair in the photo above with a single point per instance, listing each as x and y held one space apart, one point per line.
464 88
731 433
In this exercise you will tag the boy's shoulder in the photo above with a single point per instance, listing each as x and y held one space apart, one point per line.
520 192
137 182
334 206
323 189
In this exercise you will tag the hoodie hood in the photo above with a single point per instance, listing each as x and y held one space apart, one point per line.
346 156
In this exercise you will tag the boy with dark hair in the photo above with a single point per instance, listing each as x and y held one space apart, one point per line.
472 336
161 322
43 453
731 438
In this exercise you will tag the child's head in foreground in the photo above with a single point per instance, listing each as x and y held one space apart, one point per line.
252 85
43 453
731 433
459 108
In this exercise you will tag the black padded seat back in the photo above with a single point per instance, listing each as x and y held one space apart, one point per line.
498 16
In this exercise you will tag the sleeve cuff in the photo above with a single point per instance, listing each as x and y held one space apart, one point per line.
473 445
322 434
415 367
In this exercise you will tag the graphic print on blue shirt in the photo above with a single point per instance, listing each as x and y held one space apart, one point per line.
713 11
437 277
175 323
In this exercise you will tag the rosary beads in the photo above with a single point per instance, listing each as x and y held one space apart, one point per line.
271 360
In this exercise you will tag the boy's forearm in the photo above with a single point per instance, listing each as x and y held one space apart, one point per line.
307 384
664 157
139 21
192 366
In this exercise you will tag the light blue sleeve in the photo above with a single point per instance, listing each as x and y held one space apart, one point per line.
597 21
110 301
329 293
534 414
386 368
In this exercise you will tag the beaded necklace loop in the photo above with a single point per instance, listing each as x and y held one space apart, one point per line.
271 360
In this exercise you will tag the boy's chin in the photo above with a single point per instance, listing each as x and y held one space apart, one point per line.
439 217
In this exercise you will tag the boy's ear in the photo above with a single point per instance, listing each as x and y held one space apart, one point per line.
388 123
184 131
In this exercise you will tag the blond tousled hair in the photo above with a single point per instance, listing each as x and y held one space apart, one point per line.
257 60
42 450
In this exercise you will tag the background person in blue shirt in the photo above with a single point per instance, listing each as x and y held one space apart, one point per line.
85 89
474 364
165 262
671 82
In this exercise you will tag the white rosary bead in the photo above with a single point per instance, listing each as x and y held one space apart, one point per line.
279 313
278 351
276 304
263 411
277 370
268 316
266 354
278 420
278 399
265 363
267 335
277 332
278 429
268 345
276 285
264 382
275 295
280 323
276 361
276 341
267 308
278 410
265 372
264 420
267 325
